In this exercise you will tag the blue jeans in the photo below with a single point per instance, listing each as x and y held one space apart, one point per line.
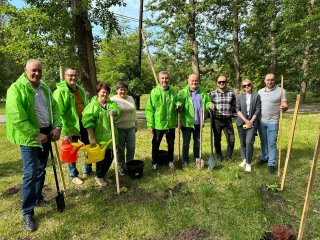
268 133
127 140
34 165
73 171
186 136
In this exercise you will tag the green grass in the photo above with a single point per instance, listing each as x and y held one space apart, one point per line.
2 108
227 202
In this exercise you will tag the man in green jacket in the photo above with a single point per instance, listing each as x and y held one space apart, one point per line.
162 117
72 100
192 98
31 117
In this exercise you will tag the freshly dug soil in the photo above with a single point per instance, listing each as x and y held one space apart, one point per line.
193 233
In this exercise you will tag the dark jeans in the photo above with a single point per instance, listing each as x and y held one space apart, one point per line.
247 137
186 135
156 140
34 165
224 124
103 166
73 171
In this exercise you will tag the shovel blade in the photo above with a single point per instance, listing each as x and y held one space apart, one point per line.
60 202
211 162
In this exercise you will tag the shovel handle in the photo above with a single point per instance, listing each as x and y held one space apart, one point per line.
115 154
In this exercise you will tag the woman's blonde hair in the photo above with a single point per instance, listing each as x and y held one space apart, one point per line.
248 81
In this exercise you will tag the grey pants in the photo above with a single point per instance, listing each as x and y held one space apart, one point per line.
247 137
127 141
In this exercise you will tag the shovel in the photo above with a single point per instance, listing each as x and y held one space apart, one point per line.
212 161
178 163
60 197
200 161
115 154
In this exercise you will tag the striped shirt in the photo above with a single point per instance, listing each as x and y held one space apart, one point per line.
225 103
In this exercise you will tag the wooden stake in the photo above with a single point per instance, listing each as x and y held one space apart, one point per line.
293 125
60 168
309 188
280 129
114 147
149 57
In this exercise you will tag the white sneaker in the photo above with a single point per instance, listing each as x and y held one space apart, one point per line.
201 164
198 163
171 165
77 181
248 167
154 167
243 163
101 182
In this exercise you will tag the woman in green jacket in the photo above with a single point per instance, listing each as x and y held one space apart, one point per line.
96 119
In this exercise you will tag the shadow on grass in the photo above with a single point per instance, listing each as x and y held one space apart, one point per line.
11 167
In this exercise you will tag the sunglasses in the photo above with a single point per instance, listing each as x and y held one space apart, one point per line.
222 82
246 85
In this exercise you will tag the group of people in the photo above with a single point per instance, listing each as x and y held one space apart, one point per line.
35 116
254 112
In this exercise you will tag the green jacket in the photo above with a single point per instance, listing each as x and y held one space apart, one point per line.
66 103
160 109
94 116
184 98
22 125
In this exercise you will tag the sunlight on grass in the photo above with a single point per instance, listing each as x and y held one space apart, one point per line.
226 202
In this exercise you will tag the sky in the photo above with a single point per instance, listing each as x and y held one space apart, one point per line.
130 10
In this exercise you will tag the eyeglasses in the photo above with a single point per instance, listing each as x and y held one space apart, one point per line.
222 82
246 85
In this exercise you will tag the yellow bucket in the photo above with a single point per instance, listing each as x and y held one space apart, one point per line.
95 154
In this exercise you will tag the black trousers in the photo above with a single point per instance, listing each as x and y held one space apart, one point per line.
103 166
156 141
225 125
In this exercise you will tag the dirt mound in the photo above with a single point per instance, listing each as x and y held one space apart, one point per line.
12 190
193 233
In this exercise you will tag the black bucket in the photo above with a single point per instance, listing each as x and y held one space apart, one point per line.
163 157
135 168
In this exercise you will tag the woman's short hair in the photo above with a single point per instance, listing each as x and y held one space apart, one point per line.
104 86
248 81
121 84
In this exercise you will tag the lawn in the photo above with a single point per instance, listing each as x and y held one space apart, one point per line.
225 203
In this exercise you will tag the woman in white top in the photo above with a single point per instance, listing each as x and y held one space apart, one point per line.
248 110
126 124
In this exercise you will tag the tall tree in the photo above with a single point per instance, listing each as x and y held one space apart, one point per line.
179 23
117 63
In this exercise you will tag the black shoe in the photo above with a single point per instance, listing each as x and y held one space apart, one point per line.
123 171
271 169
261 162
220 158
42 203
28 223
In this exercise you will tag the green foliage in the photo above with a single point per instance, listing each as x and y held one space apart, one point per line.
118 62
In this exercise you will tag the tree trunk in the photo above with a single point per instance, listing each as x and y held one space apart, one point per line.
272 36
192 37
235 45
305 62
137 102
84 41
